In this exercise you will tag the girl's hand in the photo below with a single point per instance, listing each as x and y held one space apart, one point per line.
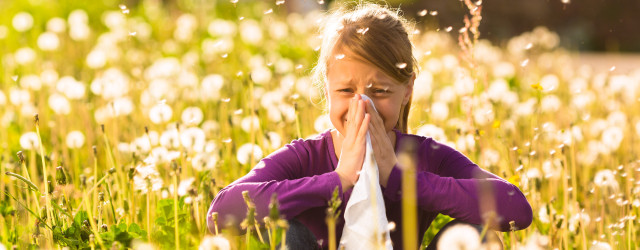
354 143
383 148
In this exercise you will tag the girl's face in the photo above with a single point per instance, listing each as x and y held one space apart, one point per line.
348 74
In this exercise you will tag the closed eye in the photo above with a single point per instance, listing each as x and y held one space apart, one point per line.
381 91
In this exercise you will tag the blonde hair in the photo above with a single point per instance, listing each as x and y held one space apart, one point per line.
376 34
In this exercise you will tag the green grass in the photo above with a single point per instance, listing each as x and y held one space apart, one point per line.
109 198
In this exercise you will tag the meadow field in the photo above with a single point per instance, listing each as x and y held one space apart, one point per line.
119 124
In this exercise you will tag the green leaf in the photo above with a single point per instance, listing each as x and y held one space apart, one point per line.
20 177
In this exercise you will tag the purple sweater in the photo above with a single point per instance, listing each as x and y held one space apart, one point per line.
302 174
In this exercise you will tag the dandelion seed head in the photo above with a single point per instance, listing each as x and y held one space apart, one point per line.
275 140
48 41
250 124
22 21
31 82
605 178
251 32
29 141
160 113
25 55
59 104
214 243
75 139
192 115
460 237
261 75
183 187
19 96
598 245
246 151
70 87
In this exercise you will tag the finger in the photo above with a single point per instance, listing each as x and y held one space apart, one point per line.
362 133
375 119
349 122
359 114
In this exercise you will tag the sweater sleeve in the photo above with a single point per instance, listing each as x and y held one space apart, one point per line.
462 190
280 173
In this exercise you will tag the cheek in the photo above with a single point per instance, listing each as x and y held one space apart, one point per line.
390 113
337 111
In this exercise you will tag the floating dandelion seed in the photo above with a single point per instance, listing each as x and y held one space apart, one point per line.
462 30
369 85
427 53
14 78
299 66
269 11
133 33
433 13
524 63
612 68
423 12
566 1
237 112
228 140
362 31
529 46
339 56
320 1
448 29
226 99
125 11
234 1
279 2
122 6
240 18
401 65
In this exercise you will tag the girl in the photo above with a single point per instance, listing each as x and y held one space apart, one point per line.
367 51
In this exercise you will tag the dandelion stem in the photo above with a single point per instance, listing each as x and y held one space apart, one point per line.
45 173
175 208
113 210
148 218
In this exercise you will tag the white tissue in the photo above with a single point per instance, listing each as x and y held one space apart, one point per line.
365 217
